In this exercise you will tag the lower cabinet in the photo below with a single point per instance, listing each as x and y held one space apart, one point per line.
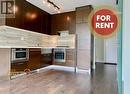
34 58
19 66
36 61
46 60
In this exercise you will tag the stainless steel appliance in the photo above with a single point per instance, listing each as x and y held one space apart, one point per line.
60 55
20 54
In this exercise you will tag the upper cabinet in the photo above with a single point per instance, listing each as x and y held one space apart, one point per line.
82 14
63 22
36 19
30 17
17 21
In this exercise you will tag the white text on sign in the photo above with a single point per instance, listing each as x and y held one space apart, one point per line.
106 23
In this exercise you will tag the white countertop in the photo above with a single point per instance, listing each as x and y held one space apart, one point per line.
35 47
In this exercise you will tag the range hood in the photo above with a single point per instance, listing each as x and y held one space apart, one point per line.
63 33
65 39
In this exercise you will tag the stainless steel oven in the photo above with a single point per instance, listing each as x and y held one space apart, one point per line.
60 55
20 54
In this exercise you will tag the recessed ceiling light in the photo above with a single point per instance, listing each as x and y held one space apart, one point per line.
44 2
56 9
49 5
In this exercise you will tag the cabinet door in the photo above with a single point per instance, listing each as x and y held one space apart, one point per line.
82 14
36 19
83 46
19 66
64 21
34 59
30 17
79 15
46 60
83 59
18 20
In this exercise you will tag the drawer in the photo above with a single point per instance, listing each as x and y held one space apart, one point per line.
19 66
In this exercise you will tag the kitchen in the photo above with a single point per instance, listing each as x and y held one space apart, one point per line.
39 39
32 51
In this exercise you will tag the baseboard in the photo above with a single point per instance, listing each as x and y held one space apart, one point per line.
4 78
54 67
107 63
111 63
66 68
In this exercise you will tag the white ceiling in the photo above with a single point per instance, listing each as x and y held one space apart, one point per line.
69 5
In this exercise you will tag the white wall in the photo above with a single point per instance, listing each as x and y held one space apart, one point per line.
126 46
111 49
106 50
99 49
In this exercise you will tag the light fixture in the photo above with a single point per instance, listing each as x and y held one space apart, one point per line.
49 3
44 2
55 9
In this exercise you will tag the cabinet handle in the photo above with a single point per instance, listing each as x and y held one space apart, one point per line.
20 63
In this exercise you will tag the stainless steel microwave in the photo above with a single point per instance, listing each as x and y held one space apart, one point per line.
20 54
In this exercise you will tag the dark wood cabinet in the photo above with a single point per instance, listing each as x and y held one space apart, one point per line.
30 17
17 21
19 66
34 58
46 60
82 14
38 60
63 21
36 19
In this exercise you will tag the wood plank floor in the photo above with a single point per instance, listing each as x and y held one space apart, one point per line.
102 81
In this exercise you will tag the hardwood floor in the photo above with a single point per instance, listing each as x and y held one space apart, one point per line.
102 81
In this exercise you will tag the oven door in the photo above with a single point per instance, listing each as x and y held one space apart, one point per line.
60 55
19 54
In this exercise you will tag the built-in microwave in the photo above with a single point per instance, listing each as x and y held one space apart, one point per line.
20 54
60 55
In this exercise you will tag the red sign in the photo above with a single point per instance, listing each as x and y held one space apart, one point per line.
104 22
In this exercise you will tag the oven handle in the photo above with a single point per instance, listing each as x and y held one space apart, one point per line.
21 63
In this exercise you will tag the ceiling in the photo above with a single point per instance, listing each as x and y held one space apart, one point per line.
69 5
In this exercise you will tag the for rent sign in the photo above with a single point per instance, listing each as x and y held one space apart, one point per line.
7 8
104 22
